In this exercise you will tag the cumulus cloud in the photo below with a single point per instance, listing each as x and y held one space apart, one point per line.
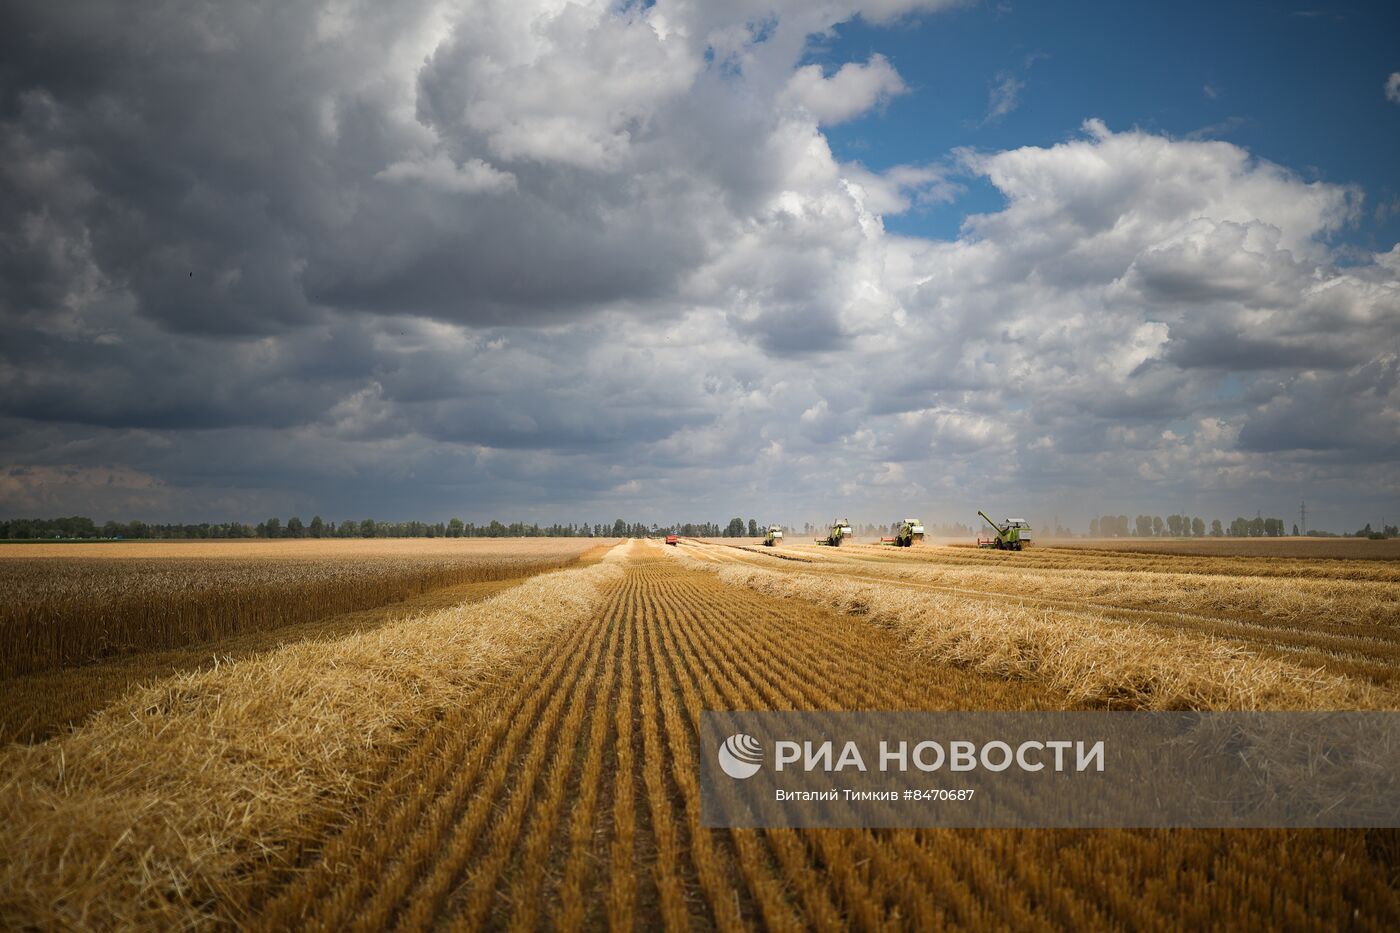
848 93
1113 193
886 11
900 187
550 259
1392 87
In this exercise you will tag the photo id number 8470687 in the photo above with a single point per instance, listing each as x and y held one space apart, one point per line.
939 793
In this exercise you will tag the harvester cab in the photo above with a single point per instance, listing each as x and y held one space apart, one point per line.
1013 534
774 536
841 528
909 532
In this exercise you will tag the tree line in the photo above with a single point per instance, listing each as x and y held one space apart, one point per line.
79 527
1185 526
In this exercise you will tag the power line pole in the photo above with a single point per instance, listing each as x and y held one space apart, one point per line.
1303 516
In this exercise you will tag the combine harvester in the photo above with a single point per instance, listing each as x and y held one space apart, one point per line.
1010 535
774 536
841 528
673 539
911 532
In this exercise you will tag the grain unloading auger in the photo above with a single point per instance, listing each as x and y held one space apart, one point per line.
841 528
910 531
1010 535
774 536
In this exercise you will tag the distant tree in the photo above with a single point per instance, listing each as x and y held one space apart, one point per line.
1198 528
1144 526
74 526
1216 530
1174 523
368 528
1295 529
1157 525
295 529
455 528
753 528
1093 527
318 527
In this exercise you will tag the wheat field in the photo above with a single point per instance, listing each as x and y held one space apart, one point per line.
62 605
528 759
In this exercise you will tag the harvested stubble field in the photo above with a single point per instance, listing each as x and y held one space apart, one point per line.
1308 548
531 760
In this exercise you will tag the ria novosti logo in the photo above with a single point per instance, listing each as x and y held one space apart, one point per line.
740 756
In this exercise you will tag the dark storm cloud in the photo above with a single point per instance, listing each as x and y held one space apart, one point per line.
148 378
1205 347
1350 414
230 165
189 137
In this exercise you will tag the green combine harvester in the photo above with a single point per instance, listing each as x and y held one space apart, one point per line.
1010 535
841 528
909 533
774 536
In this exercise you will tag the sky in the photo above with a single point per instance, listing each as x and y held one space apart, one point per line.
679 261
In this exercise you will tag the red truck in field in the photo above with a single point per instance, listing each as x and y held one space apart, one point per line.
672 539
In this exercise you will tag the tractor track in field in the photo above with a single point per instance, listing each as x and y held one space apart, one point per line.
1362 649
566 796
